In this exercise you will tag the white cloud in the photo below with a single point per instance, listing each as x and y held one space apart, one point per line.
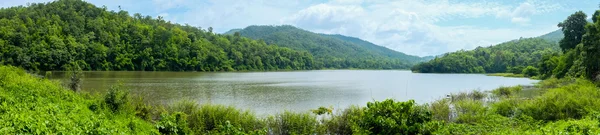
411 26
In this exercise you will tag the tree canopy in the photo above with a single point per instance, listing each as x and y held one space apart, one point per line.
331 51
65 33
512 56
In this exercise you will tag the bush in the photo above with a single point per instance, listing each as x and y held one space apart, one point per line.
204 119
173 124
516 70
506 107
440 110
530 71
340 124
289 123
572 101
507 91
391 117
469 111
117 98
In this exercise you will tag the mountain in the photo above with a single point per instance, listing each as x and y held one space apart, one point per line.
554 36
67 34
331 51
512 56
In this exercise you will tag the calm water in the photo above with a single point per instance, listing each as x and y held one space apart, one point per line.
272 92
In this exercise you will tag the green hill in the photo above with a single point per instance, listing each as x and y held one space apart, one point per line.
512 56
63 34
554 36
331 51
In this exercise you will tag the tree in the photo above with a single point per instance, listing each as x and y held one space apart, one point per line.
530 71
573 28
591 47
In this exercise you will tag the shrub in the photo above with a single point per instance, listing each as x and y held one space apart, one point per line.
208 118
469 111
391 117
440 110
506 107
572 101
340 124
473 95
289 123
530 71
507 91
173 124
117 98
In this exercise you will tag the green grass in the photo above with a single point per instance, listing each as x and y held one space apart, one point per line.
507 75
31 105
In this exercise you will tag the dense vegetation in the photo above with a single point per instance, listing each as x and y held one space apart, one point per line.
33 105
580 50
331 51
60 34
513 56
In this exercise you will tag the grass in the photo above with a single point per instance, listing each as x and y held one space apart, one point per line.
507 75
32 105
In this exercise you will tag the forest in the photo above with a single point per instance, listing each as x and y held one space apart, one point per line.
331 51
509 57
65 34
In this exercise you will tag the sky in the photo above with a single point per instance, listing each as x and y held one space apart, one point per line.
416 27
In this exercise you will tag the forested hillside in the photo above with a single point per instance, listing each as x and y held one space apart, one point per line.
73 33
512 56
331 51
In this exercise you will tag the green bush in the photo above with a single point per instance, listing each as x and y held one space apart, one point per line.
173 124
507 107
507 91
440 110
391 117
469 111
340 124
203 119
473 95
289 123
530 71
117 98
572 101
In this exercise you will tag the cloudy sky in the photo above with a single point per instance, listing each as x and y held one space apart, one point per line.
417 27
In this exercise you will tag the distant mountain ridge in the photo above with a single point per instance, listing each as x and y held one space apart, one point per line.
334 51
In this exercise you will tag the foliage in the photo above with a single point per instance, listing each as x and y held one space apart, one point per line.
572 101
29 105
331 51
117 98
507 75
322 110
530 71
204 119
501 58
60 34
172 124
391 117
440 110
506 91
289 123
573 28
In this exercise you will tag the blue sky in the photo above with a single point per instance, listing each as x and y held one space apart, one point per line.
417 27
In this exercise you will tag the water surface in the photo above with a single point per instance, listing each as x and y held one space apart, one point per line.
273 92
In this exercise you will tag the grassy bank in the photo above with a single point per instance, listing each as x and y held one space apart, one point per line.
507 75
31 105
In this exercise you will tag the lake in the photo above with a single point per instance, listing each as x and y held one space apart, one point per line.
274 92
